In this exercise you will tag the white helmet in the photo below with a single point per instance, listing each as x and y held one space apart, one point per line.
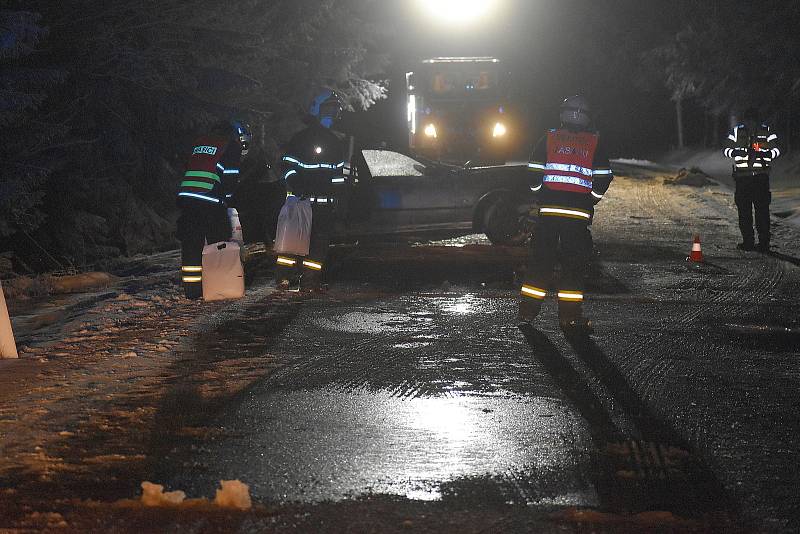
576 112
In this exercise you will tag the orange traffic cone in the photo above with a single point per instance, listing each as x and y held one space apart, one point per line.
696 255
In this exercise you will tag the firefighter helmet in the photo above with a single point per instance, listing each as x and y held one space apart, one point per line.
576 112
326 107
244 133
751 114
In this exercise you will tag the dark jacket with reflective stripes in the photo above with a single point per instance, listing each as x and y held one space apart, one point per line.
752 152
314 162
566 176
212 172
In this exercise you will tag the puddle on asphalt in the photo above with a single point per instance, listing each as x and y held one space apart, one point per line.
410 346
366 322
314 445
463 305
416 320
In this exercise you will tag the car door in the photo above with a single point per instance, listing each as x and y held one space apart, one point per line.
408 196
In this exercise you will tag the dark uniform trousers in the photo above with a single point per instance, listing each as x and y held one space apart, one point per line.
200 223
557 240
310 269
753 192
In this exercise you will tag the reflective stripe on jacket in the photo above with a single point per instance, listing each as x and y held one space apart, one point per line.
752 153
212 171
570 173
314 162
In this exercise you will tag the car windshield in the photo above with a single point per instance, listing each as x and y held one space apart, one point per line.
388 163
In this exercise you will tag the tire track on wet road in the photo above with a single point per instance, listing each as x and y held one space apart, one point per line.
688 368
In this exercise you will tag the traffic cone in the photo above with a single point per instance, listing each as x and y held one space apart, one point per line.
696 255
8 349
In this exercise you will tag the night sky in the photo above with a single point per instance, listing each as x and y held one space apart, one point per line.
552 49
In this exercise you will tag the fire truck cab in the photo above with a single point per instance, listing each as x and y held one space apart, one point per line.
458 110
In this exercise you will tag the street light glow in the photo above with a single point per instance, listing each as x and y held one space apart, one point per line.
457 11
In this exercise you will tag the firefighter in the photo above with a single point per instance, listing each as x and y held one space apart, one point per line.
752 146
569 174
209 182
313 167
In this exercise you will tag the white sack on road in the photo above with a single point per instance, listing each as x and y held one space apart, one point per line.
293 234
223 275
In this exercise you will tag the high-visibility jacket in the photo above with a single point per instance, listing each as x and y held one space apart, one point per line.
752 152
570 173
212 172
314 162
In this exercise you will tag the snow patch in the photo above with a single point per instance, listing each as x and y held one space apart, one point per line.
636 162
232 494
154 495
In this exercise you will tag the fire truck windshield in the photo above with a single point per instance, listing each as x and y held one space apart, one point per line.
457 79
463 82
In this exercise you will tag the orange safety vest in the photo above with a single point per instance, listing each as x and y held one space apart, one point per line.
570 156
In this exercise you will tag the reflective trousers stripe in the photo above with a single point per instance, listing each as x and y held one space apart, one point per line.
533 292
316 266
570 296
289 262
562 212
192 273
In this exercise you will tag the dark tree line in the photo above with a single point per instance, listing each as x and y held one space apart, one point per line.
727 56
100 99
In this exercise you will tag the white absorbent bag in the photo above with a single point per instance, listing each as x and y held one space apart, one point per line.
236 226
294 227
223 275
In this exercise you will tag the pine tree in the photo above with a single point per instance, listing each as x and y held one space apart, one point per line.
25 134
142 78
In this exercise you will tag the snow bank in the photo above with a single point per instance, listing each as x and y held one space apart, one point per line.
232 494
81 282
636 162
784 179
24 286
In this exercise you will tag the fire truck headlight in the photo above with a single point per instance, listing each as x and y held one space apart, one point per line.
430 131
499 130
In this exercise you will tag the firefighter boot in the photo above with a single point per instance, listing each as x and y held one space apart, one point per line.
528 310
287 272
571 319
193 291
311 280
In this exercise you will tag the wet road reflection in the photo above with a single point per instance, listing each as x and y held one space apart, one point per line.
412 396
439 396
329 444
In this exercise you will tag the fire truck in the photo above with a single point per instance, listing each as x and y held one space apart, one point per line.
458 110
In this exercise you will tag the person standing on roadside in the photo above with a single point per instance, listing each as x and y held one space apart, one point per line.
314 168
570 172
210 179
752 145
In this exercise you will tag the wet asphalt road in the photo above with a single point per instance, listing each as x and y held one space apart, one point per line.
411 378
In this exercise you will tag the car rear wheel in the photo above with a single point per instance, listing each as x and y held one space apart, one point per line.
505 222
